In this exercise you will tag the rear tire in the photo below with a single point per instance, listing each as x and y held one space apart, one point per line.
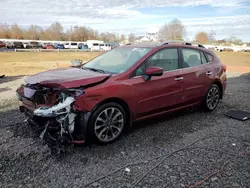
107 123
212 98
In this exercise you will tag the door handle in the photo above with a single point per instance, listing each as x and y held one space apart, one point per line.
209 73
179 78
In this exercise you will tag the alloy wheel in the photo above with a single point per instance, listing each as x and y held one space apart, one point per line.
213 97
109 124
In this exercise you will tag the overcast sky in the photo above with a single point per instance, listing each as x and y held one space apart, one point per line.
225 17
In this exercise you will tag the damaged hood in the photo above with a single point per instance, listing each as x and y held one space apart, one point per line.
67 78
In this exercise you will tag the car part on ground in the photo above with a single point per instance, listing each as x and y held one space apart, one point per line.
238 114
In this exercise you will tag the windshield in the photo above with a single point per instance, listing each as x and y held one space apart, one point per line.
117 60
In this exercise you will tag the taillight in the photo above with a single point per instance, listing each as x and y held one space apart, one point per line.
224 68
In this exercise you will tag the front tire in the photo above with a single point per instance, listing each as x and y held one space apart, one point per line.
212 98
107 123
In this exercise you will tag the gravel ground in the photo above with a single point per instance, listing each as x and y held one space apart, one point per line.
157 153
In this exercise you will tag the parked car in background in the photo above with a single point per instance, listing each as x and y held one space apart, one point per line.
95 46
60 46
71 45
45 44
15 44
2 44
34 45
83 46
100 99
49 46
106 47
80 45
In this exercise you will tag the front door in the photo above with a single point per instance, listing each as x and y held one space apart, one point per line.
160 93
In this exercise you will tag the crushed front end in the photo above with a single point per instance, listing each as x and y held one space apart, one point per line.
51 112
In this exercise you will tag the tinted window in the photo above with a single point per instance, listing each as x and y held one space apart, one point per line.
191 58
203 58
73 43
209 57
166 59
95 44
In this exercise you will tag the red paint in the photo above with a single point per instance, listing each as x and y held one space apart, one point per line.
145 99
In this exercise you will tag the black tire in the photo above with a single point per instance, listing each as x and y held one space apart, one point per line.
212 98
92 125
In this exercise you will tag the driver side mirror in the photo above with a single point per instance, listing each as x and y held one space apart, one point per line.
77 63
153 71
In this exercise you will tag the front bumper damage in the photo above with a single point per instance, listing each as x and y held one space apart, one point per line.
56 120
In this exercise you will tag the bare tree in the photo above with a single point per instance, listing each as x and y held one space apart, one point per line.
16 32
234 40
173 30
5 31
34 32
56 32
131 37
122 38
211 35
201 37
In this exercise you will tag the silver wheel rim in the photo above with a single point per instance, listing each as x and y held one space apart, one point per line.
109 124
213 98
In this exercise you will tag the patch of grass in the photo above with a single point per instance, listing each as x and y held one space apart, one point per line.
28 63
235 58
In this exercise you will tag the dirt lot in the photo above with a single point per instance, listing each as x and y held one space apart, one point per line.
158 153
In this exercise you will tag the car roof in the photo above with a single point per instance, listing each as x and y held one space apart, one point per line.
174 43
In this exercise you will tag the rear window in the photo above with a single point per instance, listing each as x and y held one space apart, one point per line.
191 57
209 57
66 43
101 44
95 44
73 43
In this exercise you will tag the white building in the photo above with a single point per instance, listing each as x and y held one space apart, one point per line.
153 34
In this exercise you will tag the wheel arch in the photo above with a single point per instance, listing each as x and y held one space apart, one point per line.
119 101
218 83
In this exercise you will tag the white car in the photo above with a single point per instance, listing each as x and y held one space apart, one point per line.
106 47
96 47
71 45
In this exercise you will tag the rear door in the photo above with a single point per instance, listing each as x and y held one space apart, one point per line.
194 71
160 93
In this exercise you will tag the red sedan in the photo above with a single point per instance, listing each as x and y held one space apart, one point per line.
49 46
2 45
129 83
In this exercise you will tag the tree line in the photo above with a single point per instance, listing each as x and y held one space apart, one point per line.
173 30
56 32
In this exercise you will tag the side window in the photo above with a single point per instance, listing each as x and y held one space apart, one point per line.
167 59
209 57
203 58
191 58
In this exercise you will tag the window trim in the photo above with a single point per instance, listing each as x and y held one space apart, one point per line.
201 52
206 53
133 74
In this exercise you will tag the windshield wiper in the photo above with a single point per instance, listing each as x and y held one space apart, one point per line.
95 70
